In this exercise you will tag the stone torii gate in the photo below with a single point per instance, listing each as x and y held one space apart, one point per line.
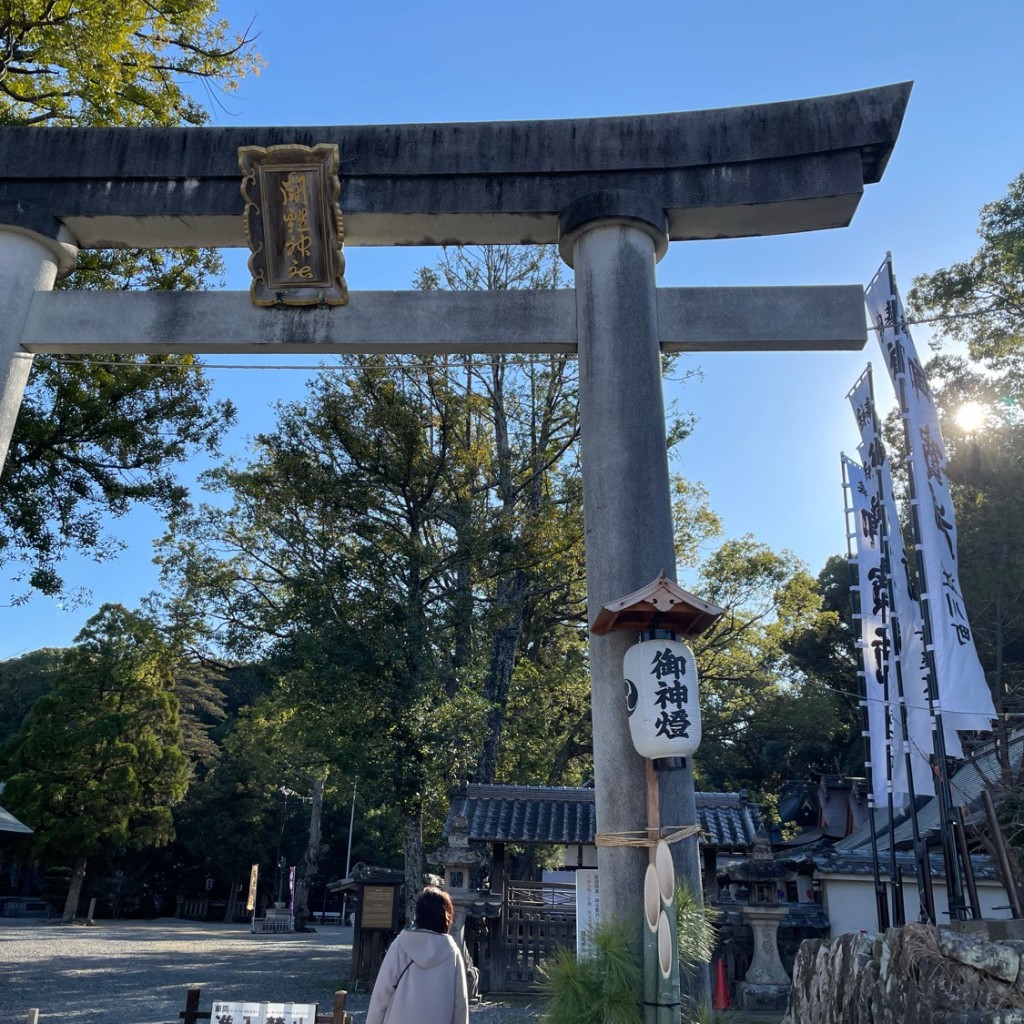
612 192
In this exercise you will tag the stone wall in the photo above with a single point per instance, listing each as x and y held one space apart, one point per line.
913 975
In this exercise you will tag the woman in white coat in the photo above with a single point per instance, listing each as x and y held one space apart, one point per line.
423 977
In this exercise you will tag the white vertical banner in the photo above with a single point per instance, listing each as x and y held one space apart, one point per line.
963 692
874 642
913 672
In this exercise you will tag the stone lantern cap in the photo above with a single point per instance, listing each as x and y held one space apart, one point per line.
661 604
760 866
457 852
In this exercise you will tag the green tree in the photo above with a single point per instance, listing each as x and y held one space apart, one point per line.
408 544
22 682
114 63
826 657
520 508
335 561
986 472
93 438
98 763
980 301
98 435
764 720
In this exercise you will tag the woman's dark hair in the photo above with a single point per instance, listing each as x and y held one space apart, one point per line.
434 910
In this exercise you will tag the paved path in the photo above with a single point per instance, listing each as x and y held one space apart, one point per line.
136 972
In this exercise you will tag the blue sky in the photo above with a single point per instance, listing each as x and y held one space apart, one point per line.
770 426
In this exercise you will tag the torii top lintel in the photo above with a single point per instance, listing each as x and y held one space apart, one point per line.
764 169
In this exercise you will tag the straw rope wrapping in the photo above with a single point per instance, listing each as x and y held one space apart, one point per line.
647 837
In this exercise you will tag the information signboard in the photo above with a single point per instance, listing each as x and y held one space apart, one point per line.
378 906
588 911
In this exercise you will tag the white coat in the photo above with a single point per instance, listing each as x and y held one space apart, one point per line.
421 981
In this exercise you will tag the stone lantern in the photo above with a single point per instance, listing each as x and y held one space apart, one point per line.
460 860
766 985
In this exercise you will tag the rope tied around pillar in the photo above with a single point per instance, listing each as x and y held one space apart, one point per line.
646 838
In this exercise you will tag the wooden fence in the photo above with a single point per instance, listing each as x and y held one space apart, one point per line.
539 918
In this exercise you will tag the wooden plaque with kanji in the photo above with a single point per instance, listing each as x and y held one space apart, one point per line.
294 226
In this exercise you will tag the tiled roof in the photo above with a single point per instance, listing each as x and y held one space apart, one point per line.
727 820
966 785
798 915
526 814
859 863
566 816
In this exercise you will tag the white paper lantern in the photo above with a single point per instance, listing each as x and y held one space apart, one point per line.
661 698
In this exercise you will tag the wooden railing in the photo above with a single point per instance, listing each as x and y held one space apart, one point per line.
542 895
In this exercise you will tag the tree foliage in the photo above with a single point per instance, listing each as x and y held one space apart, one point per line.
986 472
406 551
980 301
115 63
96 436
98 763
767 716
22 682
93 438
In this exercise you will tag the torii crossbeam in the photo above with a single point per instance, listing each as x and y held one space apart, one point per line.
612 192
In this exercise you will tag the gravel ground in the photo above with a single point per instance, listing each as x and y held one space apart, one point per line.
136 972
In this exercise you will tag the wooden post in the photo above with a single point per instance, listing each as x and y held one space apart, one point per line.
497 926
191 1012
339 1016
1003 855
653 808
32 1017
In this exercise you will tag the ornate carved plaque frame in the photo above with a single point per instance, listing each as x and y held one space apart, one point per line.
293 224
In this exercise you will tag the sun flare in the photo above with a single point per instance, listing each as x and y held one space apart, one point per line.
971 416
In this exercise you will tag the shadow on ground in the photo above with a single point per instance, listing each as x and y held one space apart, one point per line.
138 972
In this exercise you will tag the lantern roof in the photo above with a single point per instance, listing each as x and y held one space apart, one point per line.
761 866
457 852
661 604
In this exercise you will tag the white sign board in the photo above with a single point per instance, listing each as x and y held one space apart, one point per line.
289 1013
236 1013
588 912
263 1013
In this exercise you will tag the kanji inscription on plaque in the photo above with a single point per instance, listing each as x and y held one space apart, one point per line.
294 226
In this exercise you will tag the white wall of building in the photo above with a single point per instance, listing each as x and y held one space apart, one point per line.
850 902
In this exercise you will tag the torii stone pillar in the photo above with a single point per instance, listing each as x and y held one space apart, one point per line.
612 240
29 263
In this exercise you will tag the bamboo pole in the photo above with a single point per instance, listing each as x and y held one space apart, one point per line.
666 954
652 915
668 958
